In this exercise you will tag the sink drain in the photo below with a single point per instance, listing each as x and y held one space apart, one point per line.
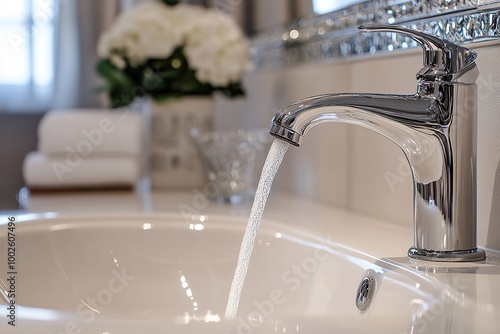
365 292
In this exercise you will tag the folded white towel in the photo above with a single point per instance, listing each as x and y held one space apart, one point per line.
42 171
89 131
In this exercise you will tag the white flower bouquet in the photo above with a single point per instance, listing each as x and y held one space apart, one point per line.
163 51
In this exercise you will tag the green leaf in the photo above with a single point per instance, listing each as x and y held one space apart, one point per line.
112 74
152 81
232 90
118 84
171 2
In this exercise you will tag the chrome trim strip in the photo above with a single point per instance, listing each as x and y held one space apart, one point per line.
334 36
454 256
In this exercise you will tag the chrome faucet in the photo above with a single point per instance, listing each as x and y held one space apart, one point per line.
436 130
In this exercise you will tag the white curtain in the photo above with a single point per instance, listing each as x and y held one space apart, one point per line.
80 25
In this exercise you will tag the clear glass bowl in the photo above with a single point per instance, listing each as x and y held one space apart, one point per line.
232 162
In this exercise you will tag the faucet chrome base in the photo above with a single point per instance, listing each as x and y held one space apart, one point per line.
444 256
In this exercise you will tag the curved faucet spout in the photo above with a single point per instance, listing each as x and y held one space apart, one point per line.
367 110
412 122
437 135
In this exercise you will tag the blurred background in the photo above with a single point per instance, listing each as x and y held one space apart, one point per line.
48 57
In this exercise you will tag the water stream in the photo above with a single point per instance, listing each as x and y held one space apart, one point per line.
273 161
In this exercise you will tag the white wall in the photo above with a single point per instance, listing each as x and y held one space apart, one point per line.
353 168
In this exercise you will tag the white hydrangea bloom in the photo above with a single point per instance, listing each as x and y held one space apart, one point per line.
185 17
141 34
217 50
213 43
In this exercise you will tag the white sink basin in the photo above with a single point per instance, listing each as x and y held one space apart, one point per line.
165 274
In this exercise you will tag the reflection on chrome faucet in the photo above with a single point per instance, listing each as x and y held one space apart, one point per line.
436 130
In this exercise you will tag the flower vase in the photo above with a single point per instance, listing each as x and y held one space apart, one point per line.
175 161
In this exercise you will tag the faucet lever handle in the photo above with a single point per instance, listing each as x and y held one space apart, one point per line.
442 59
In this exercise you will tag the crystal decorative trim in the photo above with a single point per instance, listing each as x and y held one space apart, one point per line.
334 36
